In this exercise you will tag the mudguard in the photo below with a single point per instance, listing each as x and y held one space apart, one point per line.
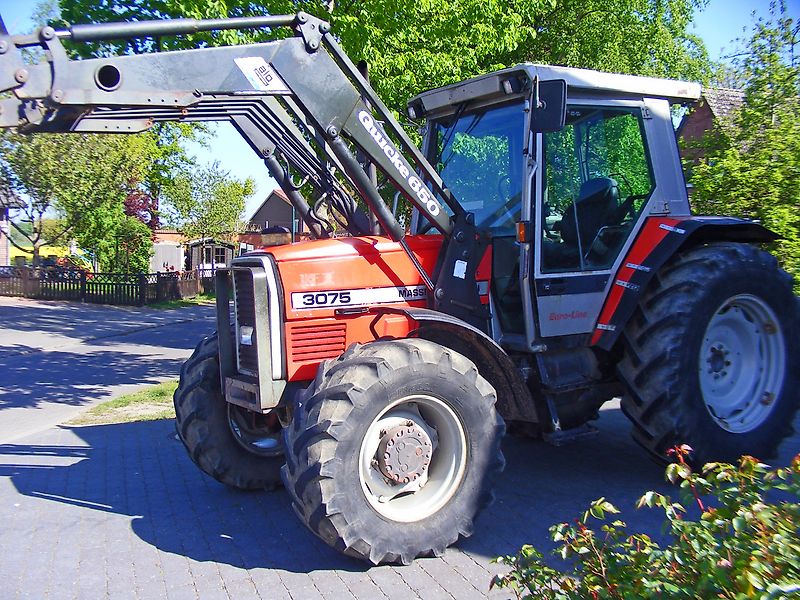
657 242
514 400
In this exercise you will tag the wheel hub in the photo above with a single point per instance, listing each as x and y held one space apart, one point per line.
718 360
417 473
404 453
258 434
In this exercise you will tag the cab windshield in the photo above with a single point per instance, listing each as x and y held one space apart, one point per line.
479 157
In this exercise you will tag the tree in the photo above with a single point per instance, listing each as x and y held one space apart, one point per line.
87 187
752 162
72 183
142 206
411 45
207 202
99 190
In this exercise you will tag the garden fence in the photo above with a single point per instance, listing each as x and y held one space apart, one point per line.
55 283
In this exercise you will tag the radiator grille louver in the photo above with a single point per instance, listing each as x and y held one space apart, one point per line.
317 342
245 317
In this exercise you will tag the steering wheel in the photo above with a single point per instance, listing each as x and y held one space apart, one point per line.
620 176
504 188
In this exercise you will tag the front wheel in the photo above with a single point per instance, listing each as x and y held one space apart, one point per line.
394 451
237 447
713 356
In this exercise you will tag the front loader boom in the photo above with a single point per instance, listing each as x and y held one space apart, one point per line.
299 102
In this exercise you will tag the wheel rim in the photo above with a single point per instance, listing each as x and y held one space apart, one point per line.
742 363
426 418
256 433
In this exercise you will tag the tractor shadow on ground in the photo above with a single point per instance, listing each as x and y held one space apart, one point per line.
142 471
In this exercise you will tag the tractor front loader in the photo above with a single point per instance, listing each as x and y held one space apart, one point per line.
548 263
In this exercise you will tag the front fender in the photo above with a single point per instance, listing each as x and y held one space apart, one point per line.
514 401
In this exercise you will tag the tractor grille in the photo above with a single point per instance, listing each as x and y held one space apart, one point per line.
245 317
317 342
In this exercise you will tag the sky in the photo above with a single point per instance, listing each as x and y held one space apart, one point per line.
718 25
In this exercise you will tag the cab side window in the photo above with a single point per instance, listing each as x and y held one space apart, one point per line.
597 181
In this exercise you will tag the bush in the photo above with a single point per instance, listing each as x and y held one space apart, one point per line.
743 545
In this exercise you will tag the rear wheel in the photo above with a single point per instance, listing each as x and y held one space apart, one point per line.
237 447
712 357
394 451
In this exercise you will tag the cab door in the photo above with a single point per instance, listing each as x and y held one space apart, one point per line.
594 179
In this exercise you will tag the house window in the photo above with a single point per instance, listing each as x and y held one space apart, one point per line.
207 253
220 256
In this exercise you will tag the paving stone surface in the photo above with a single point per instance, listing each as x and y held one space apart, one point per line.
119 511
59 358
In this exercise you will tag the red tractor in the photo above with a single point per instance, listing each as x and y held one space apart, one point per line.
540 260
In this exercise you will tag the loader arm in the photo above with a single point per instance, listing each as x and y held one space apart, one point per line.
299 102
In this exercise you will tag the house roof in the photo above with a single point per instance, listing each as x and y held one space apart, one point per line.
723 101
210 241
278 193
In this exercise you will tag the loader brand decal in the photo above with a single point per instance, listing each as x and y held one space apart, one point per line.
415 183
260 75
362 297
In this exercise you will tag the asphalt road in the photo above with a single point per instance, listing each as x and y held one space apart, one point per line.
58 358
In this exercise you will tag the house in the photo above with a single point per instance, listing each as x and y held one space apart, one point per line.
8 200
276 211
715 107
173 252
168 251
208 254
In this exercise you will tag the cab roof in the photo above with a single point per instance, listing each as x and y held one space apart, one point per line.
580 83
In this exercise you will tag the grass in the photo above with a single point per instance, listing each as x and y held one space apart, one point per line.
193 301
149 404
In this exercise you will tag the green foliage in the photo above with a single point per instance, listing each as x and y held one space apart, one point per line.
744 543
412 45
207 202
75 186
752 160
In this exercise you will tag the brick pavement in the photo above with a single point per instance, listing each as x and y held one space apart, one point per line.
119 511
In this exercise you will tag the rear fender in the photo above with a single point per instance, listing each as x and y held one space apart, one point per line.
659 240
514 401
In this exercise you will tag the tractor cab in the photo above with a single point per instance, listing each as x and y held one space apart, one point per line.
562 197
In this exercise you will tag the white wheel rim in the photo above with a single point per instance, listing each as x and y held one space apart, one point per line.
742 363
447 465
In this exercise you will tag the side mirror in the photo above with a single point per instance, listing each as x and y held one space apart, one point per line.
549 106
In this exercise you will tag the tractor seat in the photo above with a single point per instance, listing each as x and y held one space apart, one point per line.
597 201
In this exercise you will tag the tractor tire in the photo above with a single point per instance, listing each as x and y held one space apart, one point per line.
237 447
712 356
382 504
